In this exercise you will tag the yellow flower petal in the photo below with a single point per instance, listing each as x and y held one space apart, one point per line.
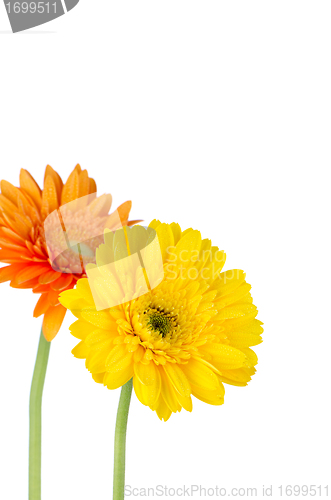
210 397
200 375
166 239
101 319
146 373
178 379
114 380
162 410
224 355
81 350
169 392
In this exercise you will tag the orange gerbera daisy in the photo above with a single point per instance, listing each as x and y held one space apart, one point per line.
32 263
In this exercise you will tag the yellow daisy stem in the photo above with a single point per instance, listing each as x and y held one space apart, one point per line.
36 393
120 438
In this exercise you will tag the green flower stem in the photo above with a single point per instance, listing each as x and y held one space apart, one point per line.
120 438
35 418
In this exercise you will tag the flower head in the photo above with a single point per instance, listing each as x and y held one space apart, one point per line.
187 334
71 211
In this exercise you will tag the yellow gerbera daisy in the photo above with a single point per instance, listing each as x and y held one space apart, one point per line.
187 334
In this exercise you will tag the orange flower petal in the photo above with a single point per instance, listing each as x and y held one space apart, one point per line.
30 271
83 183
39 251
49 277
53 298
22 226
52 322
40 288
124 211
10 192
38 259
12 246
93 186
15 195
8 272
29 245
49 197
27 284
133 222
24 203
121 214
11 235
41 306
10 257
62 283
29 185
7 205
71 188
56 178
101 206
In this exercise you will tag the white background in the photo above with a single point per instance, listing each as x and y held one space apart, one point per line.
216 115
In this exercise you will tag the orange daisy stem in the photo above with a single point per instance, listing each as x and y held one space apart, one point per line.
120 440
36 393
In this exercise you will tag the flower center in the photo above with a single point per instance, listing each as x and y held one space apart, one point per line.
72 239
81 248
160 323
168 322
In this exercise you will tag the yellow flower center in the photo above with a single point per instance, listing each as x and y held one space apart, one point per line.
168 323
160 322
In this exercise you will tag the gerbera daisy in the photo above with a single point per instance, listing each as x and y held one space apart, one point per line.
45 266
187 334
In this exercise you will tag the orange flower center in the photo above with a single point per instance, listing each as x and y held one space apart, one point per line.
72 238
